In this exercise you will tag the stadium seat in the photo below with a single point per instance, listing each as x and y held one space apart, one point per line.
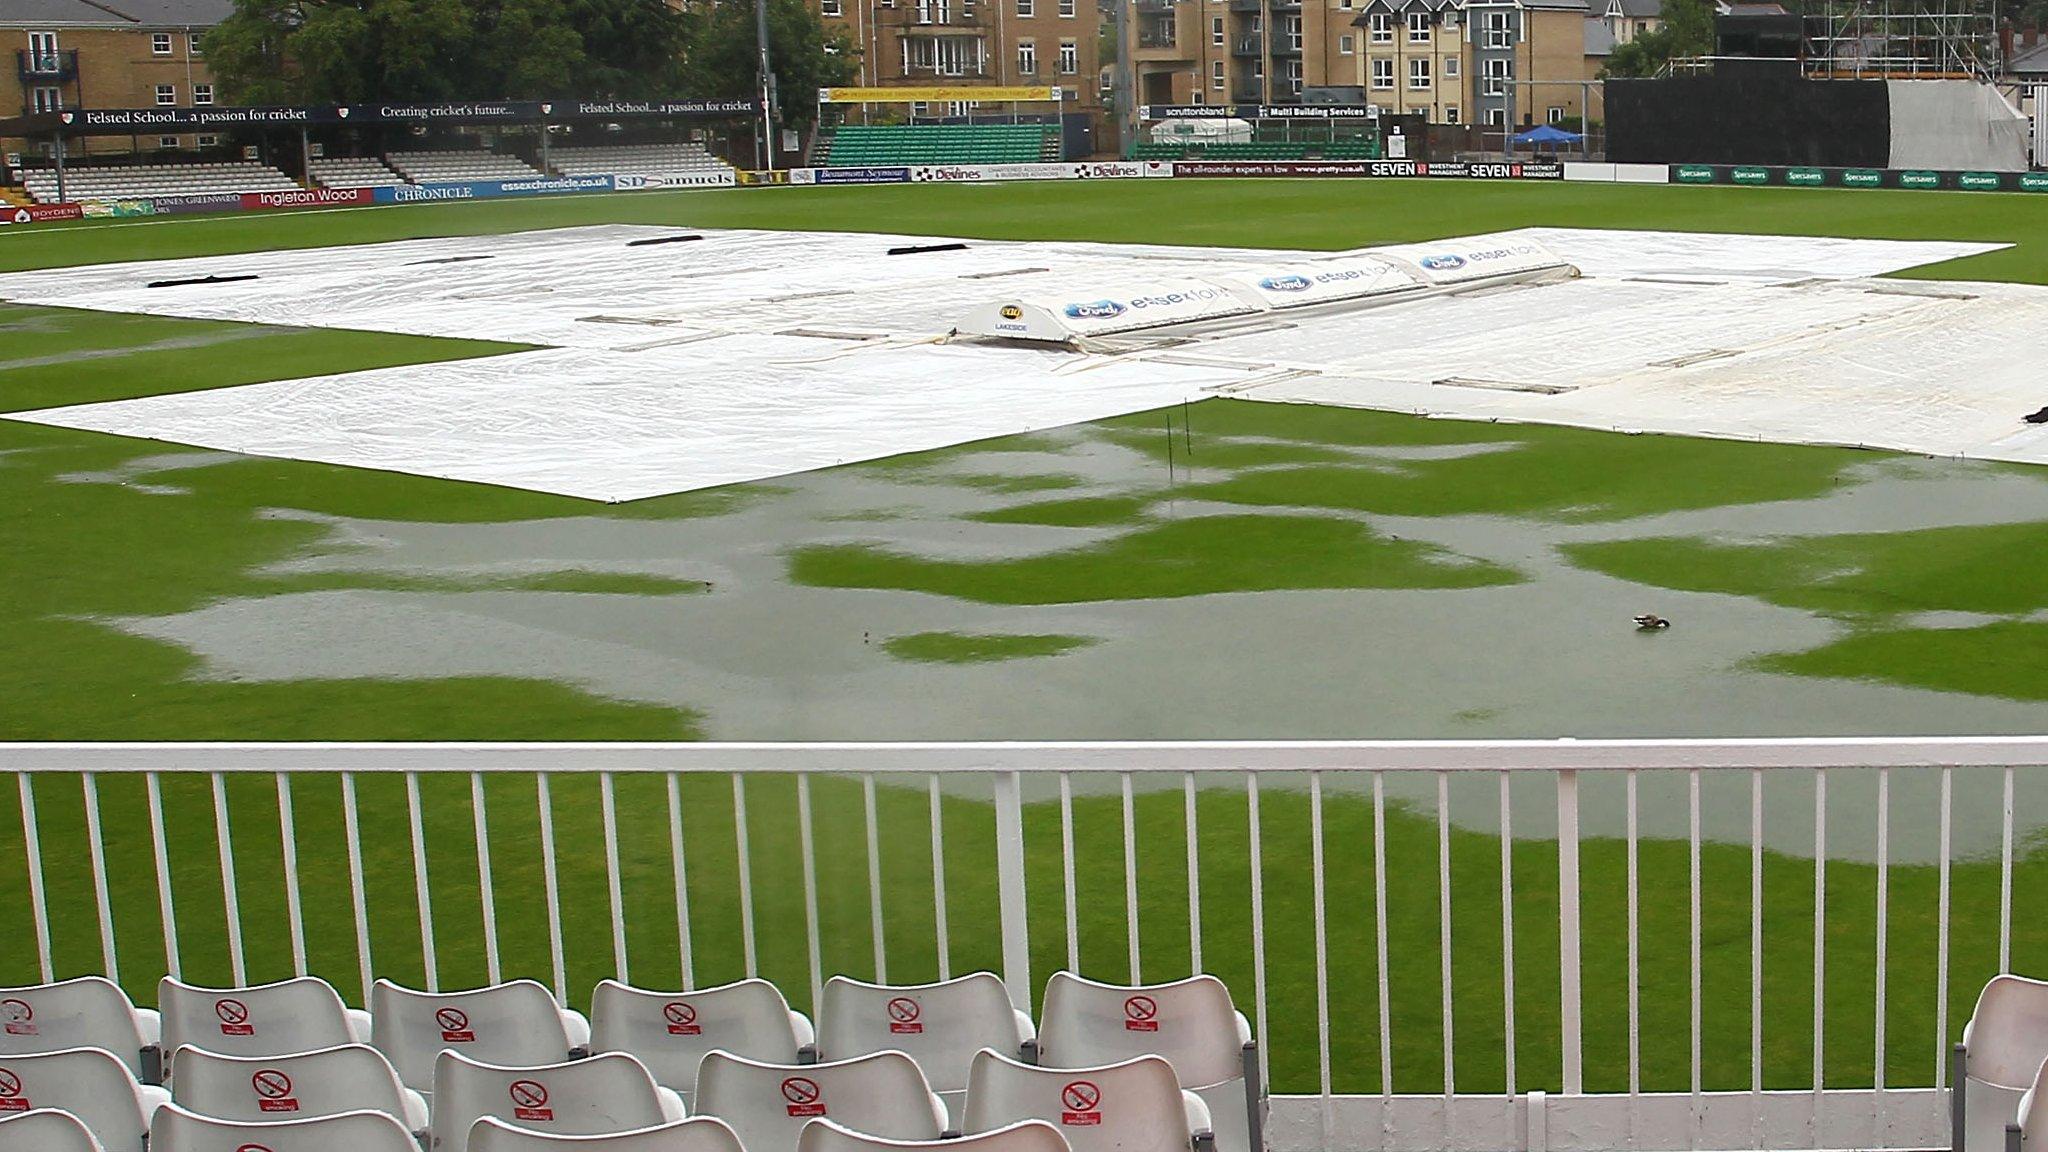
46 1130
349 1078
515 1023
603 1094
940 1025
90 1083
697 1134
89 1012
769 1104
266 1020
2003 1048
671 1031
1191 1022
1134 1106
1023 1136
178 1130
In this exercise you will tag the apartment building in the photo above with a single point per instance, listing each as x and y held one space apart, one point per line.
1455 61
107 54
923 43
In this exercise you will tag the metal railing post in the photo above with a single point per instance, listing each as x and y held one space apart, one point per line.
1009 805
1568 927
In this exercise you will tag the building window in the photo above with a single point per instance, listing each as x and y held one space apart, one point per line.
1291 26
1495 116
1497 73
160 43
1070 57
1216 31
167 143
1450 19
1027 57
1451 67
1418 74
1382 73
1418 27
1068 9
42 51
1197 97
1499 33
48 99
211 141
1027 8
1383 27
193 45
830 8
166 94
1555 114
202 93
1294 77
1345 45
1216 75
1450 113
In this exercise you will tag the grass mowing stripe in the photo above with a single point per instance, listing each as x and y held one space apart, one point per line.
969 830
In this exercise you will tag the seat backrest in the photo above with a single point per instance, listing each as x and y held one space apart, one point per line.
940 1025
90 1083
1190 1022
177 1130
1134 1106
697 1134
266 1020
1023 1136
89 1012
608 1093
349 1078
516 1023
769 1104
671 1031
2008 1031
46 1130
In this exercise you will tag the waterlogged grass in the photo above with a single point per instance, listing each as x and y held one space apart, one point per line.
977 648
1080 512
2008 659
910 934
1194 557
571 581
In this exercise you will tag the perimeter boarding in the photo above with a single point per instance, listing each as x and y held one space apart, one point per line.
288 1067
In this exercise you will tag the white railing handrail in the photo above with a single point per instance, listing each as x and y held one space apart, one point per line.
1041 756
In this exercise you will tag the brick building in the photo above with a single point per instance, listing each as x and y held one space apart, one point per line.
922 43
107 54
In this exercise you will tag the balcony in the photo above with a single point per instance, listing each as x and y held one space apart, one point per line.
1245 46
1156 37
935 20
60 67
1155 5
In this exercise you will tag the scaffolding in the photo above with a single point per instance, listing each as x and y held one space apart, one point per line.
1901 40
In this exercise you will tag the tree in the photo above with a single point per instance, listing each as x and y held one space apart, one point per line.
723 58
360 51
1687 30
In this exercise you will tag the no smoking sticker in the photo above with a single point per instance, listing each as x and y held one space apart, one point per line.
1081 1104
454 1024
903 1016
682 1019
273 1091
11 1099
804 1097
1141 1014
17 1018
530 1100
234 1018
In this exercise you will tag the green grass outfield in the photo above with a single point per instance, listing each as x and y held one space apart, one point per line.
94 531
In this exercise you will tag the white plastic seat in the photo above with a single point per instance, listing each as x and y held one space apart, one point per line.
515 1023
1191 1023
177 1130
2004 1045
769 1104
300 1015
1137 1105
90 1083
697 1134
604 1094
940 1025
348 1078
671 1031
89 1012
46 1130
1023 1136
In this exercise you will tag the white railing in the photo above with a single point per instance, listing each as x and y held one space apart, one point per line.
1024 802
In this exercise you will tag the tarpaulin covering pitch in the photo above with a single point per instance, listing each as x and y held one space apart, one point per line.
744 355
1955 125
